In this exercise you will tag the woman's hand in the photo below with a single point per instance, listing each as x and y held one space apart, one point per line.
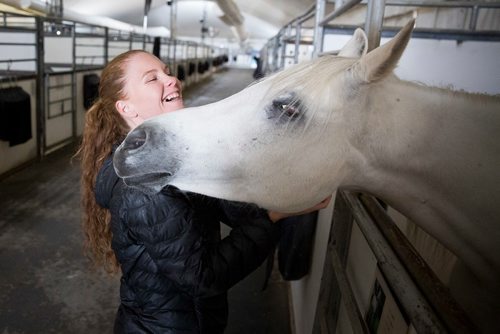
274 216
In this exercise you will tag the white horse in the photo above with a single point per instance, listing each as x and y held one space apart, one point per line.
347 121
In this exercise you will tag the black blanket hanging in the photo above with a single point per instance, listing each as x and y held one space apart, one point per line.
90 89
192 67
294 248
181 73
157 47
296 245
15 115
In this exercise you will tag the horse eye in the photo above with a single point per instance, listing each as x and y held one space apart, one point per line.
289 110
285 107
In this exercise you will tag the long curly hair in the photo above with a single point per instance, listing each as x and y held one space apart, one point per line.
104 127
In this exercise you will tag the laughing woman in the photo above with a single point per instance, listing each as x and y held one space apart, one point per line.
175 267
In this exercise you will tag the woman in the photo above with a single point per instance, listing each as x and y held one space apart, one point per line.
175 267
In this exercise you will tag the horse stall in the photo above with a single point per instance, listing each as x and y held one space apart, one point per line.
373 270
55 64
18 74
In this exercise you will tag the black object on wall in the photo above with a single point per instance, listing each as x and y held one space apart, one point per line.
201 67
156 46
296 245
191 68
257 74
90 89
181 73
15 115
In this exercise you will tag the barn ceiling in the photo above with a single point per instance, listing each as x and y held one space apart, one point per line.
236 21
261 18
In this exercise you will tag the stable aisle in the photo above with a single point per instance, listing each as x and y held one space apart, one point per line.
46 285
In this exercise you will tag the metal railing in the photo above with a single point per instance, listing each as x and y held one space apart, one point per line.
422 296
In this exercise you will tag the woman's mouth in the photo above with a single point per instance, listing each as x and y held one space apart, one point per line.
172 97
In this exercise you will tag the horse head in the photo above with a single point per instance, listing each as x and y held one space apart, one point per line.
284 143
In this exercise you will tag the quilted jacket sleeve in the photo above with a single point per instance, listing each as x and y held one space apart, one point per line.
175 239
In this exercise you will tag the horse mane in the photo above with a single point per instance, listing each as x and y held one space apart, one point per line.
452 92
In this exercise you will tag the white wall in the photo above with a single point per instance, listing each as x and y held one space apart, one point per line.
18 51
470 66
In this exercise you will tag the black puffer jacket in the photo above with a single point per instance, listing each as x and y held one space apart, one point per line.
176 269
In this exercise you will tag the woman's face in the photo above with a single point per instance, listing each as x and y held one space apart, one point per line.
149 90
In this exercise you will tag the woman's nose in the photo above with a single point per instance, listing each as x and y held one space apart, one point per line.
169 80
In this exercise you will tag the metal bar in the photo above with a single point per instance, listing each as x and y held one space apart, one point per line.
318 29
18 29
93 56
328 283
298 34
60 86
328 305
413 302
473 19
106 45
73 84
444 34
16 60
22 44
358 324
374 22
92 45
52 102
409 3
340 238
60 114
91 35
304 17
40 89
455 319
447 4
339 11
284 36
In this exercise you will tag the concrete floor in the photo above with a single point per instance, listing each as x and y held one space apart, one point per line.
46 285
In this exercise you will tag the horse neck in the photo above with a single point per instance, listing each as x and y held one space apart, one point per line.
414 129
433 155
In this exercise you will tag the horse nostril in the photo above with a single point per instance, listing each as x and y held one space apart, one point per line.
135 139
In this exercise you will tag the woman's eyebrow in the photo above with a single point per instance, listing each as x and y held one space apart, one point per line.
165 69
148 72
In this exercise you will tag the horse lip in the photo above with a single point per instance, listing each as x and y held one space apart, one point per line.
154 181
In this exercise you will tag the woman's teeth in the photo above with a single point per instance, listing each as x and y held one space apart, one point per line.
171 97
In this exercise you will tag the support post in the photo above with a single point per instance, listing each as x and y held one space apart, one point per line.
374 22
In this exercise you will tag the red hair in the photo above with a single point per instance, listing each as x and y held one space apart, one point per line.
104 127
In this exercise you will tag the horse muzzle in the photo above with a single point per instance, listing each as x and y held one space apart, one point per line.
142 160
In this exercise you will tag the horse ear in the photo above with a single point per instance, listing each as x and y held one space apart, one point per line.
381 61
356 46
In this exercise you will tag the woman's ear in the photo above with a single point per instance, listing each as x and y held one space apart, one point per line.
124 109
